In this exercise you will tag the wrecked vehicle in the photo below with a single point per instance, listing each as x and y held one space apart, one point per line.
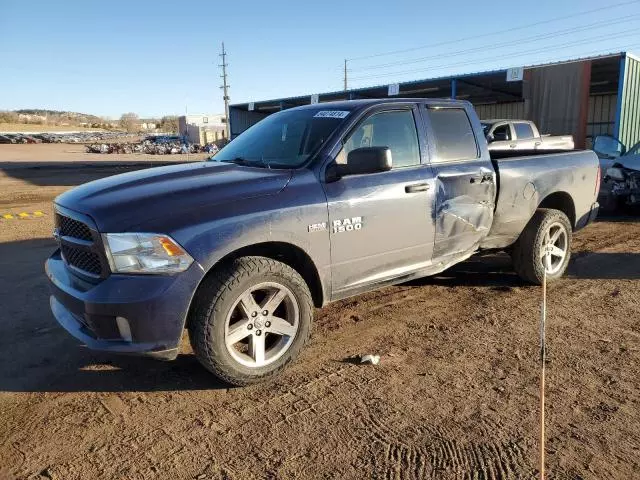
149 148
621 173
522 135
310 205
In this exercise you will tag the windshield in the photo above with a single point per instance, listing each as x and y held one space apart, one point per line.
485 127
283 140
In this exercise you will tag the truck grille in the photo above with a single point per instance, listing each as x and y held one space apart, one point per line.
82 259
78 247
73 228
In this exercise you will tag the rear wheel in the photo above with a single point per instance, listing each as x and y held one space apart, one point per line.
545 243
251 318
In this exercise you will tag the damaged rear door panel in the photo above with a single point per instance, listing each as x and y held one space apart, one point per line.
465 183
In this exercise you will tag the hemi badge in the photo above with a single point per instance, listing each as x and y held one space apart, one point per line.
317 227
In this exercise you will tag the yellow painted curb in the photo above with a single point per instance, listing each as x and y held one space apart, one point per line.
15 216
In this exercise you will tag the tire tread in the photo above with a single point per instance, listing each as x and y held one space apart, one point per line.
222 282
524 250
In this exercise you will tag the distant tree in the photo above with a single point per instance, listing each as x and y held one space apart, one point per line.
8 117
169 124
130 122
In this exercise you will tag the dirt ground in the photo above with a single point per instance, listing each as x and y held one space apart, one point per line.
76 153
455 395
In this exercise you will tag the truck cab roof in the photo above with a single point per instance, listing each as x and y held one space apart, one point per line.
364 103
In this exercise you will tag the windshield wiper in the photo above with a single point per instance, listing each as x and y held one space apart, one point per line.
237 161
249 163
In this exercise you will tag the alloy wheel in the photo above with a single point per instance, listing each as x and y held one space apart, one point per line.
262 324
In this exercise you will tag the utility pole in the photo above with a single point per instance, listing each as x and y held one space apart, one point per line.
345 74
225 89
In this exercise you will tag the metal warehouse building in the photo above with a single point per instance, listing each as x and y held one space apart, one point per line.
584 97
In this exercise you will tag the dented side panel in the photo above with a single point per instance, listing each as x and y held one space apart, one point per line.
465 194
525 182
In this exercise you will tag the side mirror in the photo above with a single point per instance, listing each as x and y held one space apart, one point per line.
490 137
368 160
608 147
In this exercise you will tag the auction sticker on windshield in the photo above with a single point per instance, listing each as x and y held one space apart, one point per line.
331 114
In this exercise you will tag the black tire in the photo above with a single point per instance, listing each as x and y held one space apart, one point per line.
526 253
215 300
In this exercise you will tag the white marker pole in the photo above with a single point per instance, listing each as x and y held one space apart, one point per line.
543 352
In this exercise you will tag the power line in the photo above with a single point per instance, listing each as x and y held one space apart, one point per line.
622 34
484 35
559 33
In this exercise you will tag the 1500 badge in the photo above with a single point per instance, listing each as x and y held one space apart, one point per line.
347 225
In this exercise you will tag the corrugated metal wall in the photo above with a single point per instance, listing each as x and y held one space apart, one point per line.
240 120
629 131
510 111
602 115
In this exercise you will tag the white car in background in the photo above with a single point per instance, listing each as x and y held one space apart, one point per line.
620 168
522 135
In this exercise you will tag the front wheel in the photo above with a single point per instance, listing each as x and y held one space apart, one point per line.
251 318
545 243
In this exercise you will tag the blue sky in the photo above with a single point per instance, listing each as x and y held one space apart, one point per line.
160 57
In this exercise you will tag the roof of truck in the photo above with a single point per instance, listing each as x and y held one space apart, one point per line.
354 104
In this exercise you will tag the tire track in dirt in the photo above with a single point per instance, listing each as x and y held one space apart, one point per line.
327 419
438 453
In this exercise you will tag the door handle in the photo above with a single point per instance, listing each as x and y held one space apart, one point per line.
537 144
487 177
513 145
416 187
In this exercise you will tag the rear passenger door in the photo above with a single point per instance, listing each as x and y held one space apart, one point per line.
465 182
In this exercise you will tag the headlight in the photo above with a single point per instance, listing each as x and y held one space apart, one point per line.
145 253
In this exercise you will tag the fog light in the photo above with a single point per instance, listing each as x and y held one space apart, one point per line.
124 329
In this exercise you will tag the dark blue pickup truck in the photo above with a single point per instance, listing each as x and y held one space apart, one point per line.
310 205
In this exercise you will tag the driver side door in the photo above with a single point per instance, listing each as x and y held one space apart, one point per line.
381 224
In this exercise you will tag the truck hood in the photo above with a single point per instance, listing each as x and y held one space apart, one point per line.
119 202
632 162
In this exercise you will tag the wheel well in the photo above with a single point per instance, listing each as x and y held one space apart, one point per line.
286 253
561 201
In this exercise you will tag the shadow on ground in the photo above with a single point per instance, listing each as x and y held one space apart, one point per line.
36 355
85 371
496 270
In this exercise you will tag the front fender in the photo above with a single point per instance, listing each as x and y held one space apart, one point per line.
285 217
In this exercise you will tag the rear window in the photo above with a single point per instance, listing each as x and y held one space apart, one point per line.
523 131
453 134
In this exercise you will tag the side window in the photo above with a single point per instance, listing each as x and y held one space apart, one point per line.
453 134
523 131
395 129
501 133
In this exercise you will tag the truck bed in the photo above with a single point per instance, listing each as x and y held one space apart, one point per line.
498 154
544 179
